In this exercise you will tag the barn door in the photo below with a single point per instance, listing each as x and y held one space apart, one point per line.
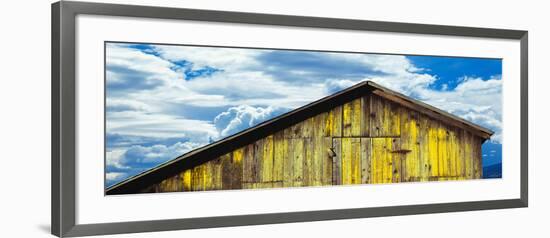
364 160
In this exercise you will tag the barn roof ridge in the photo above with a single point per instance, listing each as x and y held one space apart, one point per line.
230 143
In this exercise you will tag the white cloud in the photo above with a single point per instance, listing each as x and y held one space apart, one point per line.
474 99
236 119
113 176
158 125
222 58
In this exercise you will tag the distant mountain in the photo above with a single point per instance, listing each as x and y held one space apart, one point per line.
492 171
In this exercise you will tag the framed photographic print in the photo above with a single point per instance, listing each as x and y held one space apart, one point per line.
211 119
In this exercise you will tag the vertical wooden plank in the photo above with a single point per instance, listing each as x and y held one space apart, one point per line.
197 178
355 161
280 152
397 161
319 148
288 158
356 115
346 160
388 167
216 173
468 152
297 162
308 169
257 162
237 168
187 180
207 176
382 161
460 166
365 160
377 156
365 116
424 148
327 161
347 119
248 164
478 170
329 123
433 146
414 163
408 166
227 171
266 161
394 128
337 161
337 114
443 153
453 152
376 116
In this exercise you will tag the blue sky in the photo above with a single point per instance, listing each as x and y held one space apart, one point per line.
163 101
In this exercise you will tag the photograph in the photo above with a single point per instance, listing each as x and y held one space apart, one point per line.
187 118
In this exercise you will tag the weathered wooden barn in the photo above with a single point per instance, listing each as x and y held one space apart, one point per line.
366 134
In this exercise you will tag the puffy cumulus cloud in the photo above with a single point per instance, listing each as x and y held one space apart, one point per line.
236 119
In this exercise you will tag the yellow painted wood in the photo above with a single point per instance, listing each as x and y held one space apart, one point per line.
216 174
197 180
397 161
443 154
319 154
337 161
347 119
280 152
478 170
308 169
347 154
329 123
460 161
385 119
288 159
207 176
266 160
297 162
433 153
327 162
366 148
355 161
468 158
187 180
381 161
248 164
453 152
424 149
337 123
236 174
356 116
377 116
365 116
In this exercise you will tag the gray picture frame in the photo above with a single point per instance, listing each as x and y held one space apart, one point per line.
64 107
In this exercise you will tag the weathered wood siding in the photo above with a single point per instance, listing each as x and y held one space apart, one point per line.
369 140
